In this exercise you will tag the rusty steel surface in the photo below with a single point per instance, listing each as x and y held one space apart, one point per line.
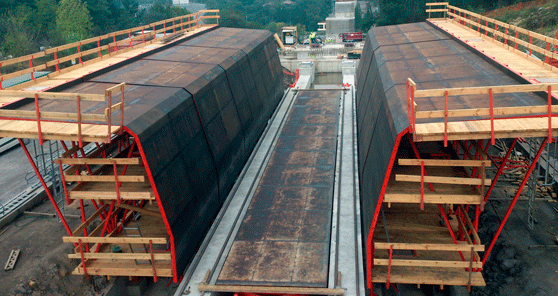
285 235
434 60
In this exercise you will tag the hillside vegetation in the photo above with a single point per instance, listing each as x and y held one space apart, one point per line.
540 16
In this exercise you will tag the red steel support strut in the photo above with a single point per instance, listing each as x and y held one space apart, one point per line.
519 190
45 187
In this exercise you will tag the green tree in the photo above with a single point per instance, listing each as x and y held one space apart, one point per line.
45 20
18 39
73 20
100 12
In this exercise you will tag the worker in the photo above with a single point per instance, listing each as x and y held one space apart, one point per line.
312 37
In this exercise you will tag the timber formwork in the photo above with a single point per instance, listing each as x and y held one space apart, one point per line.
171 127
429 106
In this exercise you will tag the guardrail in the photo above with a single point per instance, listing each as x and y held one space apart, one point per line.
115 42
512 36
548 110
66 117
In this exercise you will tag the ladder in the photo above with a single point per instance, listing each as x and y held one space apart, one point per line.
135 231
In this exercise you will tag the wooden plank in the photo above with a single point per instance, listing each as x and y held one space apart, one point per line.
428 247
140 210
89 220
76 55
70 151
500 111
22 59
51 115
103 161
115 240
132 269
471 226
103 178
23 72
442 180
427 263
467 237
433 198
270 290
118 87
426 276
52 95
483 90
445 162
437 3
111 195
113 108
121 256
437 10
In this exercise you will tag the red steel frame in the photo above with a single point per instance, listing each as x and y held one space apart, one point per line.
467 146
108 217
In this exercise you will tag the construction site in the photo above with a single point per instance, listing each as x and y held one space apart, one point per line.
184 158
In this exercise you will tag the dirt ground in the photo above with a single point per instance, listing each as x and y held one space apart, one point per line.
43 267
524 261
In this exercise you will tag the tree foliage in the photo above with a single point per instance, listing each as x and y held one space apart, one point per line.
26 25
73 21
262 13
394 12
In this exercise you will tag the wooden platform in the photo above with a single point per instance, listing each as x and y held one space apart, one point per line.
131 187
105 262
431 258
451 182
528 67
481 129
55 130
78 71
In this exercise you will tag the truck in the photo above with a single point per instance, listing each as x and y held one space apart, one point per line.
351 37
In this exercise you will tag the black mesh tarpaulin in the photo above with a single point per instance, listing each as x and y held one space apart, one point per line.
198 109
433 60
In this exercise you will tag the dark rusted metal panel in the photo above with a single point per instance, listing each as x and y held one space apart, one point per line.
285 235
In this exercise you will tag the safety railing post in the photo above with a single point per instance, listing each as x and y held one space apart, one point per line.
549 114
41 141
422 185
80 138
492 137
446 119
152 261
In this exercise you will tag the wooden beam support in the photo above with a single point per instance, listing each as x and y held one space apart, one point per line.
445 162
111 195
122 256
433 198
102 161
140 210
428 247
103 178
115 240
426 263
89 220
442 180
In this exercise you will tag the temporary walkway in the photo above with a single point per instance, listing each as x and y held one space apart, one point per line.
291 225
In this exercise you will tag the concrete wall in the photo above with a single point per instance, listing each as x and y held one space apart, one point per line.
322 66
